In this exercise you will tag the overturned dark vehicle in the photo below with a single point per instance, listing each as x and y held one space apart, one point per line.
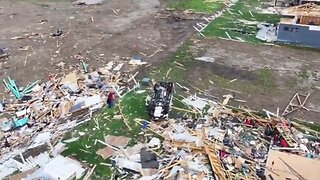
159 103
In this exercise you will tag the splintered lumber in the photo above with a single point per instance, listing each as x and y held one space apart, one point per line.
227 99
132 77
245 113
97 123
168 72
137 120
183 87
284 131
170 166
125 120
180 68
215 164
87 176
179 64
185 110
106 144
251 14
194 147
187 145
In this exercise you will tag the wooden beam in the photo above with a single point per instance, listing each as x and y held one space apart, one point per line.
215 164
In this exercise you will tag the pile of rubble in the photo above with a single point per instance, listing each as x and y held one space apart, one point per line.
41 113
217 141
226 143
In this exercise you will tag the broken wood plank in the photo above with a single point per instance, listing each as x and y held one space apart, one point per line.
180 68
179 64
231 90
168 72
125 120
87 176
114 148
185 110
215 164
133 76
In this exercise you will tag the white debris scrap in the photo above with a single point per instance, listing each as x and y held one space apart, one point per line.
205 59
186 137
154 142
89 2
41 139
195 102
71 140
267 32
128 164
60 167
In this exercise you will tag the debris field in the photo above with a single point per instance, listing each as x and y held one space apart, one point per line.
226 143
41 113
89 56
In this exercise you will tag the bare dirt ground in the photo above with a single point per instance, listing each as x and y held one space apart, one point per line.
266 76
98 33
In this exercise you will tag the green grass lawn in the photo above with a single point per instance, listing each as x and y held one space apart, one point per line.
240 24
133 106
169 70
266 78
202 6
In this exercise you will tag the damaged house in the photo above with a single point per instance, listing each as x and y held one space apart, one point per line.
300 25
297 2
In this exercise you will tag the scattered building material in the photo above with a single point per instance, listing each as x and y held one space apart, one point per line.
205 21
215 164
297 102
267 32
4 52
42 112
60 167
22 175
235 142
118 141
106 152
298 25
87 176
227 98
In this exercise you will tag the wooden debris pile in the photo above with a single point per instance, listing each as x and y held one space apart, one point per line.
59 104
224 144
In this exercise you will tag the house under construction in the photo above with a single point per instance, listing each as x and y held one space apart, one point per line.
300 25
